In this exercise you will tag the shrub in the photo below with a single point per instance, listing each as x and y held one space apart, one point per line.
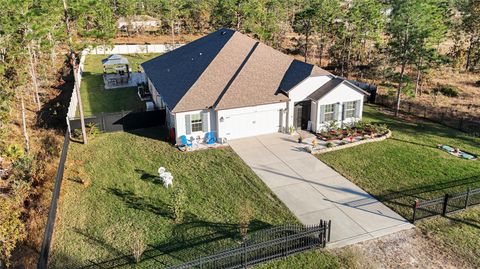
93 130
329 145
332 126
14 151
179 199
245 213
446 90
138 245
477 83
12 229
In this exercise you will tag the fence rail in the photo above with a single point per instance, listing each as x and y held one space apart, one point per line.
266 245
448 116
52 214
445 205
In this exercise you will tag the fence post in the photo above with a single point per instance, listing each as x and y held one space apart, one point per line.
329 230
104 125
460 123
415 206
244 255
445 203
468 197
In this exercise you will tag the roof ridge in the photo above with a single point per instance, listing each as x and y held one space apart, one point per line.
235 75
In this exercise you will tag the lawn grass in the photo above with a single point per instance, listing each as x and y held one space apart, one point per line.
408 165
96 99
459 232
97 222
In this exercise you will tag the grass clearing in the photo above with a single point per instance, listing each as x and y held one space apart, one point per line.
409 166
96 99
125 198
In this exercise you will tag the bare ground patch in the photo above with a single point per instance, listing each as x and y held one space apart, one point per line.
406 249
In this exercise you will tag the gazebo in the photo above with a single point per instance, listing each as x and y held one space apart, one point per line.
116 71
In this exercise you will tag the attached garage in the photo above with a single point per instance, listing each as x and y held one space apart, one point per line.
251 121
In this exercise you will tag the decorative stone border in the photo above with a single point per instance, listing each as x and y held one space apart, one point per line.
349 145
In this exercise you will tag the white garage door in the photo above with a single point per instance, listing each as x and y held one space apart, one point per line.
251 124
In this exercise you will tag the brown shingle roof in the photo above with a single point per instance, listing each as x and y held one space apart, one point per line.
239 72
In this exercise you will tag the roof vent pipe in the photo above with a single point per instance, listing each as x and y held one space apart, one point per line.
224 32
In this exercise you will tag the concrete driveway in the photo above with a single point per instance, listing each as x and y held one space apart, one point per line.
313 191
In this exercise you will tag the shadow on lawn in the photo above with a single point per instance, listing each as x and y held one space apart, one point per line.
157 133
191 239
144 175
474 223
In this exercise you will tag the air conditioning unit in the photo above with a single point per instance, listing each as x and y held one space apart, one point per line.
150 106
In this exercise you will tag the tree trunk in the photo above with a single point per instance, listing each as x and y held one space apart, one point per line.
417 82
173 32
320 48
33 74
399 89
469 53
24 124
53 56
307 37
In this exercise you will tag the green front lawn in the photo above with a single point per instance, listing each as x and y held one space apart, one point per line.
409 166
96 99
97 221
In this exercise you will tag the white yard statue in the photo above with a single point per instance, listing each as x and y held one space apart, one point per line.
166 177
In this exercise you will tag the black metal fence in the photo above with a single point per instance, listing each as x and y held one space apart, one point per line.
123 120
445 205
47 239
468 122
266 245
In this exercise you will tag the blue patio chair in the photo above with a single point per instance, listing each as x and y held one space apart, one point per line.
210 138
184 141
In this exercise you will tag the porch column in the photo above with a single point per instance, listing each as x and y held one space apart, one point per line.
290 111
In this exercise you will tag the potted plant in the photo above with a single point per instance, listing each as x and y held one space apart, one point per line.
291 129
300 139
314 143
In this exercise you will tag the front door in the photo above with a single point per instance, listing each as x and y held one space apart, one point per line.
301 114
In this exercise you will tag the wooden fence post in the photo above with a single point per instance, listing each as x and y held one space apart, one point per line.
445 204
460 123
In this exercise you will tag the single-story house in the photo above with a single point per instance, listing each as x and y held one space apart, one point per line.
235 86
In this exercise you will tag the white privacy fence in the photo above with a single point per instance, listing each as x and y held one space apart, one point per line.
107 50
128 49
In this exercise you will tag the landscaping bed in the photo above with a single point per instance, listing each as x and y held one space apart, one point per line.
339 138
121 202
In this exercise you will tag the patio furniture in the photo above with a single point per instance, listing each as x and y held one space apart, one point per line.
210 138
184 141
